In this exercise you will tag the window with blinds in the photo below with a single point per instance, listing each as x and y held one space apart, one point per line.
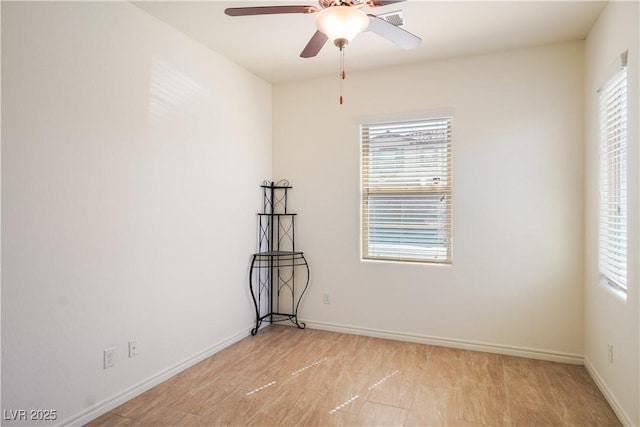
406 191
613 181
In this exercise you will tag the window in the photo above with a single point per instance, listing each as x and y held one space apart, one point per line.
613 181
406 191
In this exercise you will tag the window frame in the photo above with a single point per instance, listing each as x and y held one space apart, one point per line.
444 249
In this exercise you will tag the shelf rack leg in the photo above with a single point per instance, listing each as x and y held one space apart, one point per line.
255 302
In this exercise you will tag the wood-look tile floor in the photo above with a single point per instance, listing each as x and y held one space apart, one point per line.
285 376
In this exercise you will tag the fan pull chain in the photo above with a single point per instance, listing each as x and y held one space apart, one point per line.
342 73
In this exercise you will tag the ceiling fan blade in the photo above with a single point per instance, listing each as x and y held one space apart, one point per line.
268 10
315 44
376 3
395 34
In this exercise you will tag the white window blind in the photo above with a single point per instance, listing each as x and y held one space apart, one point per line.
406 190
613 180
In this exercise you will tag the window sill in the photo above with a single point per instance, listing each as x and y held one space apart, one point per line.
406 262
618 294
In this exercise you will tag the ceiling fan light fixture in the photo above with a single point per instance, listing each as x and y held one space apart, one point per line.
341 23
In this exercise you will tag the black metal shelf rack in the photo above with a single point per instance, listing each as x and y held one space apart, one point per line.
276 295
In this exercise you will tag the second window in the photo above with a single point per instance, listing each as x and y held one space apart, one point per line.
406 190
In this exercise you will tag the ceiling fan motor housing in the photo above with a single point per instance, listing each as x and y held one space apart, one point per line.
329 3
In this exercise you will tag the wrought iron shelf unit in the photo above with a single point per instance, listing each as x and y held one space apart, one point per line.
275 267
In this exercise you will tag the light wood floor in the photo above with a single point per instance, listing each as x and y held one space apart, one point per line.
285 376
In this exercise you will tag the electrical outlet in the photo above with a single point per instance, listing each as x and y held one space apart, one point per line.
109 357
610 353
133 348
326 298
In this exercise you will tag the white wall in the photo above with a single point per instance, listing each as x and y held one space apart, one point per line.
131 160
516 284
609 320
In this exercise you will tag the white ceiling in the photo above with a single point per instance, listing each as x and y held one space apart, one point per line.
269 45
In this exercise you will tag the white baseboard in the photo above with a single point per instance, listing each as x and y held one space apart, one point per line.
575 359
624 418
118 399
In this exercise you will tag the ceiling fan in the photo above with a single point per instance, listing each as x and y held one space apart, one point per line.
340 21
